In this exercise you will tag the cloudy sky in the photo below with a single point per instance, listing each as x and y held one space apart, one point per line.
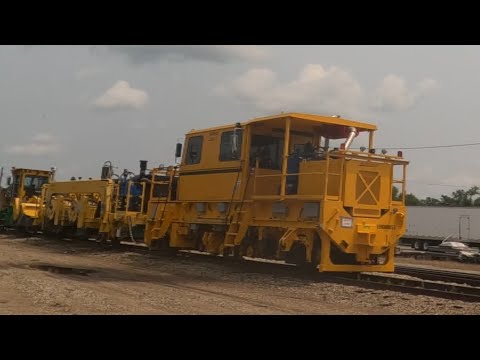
76 106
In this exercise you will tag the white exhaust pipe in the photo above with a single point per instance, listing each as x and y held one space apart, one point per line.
351 136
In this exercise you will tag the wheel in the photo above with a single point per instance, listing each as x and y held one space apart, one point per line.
425 245
418 245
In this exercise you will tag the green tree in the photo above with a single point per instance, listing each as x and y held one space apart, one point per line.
471 193
458 198
396 193
412 200
463 197
447 200
429 201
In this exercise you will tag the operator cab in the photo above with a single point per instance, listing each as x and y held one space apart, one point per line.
309 139
268 150
27 182
33 184
276 149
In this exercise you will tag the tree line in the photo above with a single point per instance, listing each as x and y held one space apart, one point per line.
457 198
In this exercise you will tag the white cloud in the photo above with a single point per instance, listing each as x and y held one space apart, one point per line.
139 54
121 96
40 144
43 138
394 95
324 90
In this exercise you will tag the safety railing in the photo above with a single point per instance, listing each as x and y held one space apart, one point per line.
403 185
330 184
272 190
163 172
159 200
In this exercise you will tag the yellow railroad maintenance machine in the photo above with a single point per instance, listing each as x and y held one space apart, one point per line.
273 187
110 208
20 200
285 187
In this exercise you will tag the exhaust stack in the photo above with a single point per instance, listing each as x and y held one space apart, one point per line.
351 136
143 168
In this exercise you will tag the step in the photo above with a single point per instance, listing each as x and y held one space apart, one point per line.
230 233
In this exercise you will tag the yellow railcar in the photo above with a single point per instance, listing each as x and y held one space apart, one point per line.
79 207
275 187
113 207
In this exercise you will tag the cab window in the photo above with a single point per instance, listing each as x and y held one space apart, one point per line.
226 146
268 151
35 182
194 150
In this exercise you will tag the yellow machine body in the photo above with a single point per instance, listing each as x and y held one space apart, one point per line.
273 188
108 208
78 204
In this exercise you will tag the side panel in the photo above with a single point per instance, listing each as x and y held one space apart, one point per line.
210 153
269 185
315 184
88 186
211 178
209 185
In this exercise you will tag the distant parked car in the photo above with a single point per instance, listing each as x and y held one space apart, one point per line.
461 250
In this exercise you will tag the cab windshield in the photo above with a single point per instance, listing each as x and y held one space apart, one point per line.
35 183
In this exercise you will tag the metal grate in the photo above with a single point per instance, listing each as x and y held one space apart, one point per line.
368 188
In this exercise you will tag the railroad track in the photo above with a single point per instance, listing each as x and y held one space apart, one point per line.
429 282
439 275
419 286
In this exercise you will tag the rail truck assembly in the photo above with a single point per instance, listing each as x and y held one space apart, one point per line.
273 187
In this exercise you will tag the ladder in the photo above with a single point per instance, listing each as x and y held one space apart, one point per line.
237 229
238 226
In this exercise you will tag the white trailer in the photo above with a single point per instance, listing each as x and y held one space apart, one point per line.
430 225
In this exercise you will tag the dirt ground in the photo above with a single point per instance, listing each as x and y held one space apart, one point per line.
117 282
